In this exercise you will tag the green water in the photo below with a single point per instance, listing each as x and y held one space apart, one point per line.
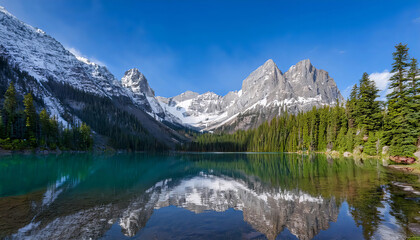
204 196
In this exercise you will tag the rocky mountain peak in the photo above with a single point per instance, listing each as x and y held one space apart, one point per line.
265 94
264 76
186 96
210 95
304 66
304 62
269 64
137 82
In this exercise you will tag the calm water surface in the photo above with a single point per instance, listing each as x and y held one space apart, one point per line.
204 196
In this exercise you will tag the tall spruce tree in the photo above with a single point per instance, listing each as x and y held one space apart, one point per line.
44 120
413 77
10 105
368 109
400 133
351 106
30 115
414 96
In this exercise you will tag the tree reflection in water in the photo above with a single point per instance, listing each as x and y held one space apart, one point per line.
91 196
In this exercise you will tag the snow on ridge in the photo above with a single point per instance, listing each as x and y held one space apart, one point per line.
266 87
196 191
43 57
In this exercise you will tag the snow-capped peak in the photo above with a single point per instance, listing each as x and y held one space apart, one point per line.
265 93
137 82
15 19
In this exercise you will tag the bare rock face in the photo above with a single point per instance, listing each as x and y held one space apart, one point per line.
309 82
142 94
266 93
137 82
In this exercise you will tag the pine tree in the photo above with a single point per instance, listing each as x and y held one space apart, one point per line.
351 106
350 140
370 146
10 106
44 120
413 76
399 131
30 115
414 95
368 110
341 140
322 131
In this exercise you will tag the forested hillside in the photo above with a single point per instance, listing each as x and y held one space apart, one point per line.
362 121
21 127
121 129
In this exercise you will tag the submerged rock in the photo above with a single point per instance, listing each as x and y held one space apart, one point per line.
417 154
335 154
414 228
403 160
358 150
385 150
347 154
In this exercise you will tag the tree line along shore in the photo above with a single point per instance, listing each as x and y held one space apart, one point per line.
362 125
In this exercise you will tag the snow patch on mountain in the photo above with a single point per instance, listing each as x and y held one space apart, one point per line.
265 92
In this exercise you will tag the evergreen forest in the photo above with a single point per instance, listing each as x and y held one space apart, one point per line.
362 121
21 127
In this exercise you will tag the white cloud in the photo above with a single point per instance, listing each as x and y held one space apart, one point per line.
381 79
342 51
416 20
84 58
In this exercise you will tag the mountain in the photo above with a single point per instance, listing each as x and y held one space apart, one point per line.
74 89
141 93
265 94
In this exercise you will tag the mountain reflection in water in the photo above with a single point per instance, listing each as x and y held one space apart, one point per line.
178 196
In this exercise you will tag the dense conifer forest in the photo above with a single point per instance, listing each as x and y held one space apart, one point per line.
362 120
104 115
119 129
21 127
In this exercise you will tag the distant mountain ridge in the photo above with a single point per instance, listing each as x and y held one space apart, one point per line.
56 70
265 93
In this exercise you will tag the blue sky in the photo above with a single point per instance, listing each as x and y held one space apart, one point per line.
214 45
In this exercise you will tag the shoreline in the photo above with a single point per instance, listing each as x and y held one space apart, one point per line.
387 163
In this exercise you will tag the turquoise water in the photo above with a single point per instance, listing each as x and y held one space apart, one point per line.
204 196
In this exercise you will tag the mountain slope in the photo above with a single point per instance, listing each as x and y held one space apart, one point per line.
265 94
52 68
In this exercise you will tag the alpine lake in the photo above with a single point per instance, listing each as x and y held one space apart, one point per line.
204 196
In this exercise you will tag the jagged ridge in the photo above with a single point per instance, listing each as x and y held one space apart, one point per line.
265 94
